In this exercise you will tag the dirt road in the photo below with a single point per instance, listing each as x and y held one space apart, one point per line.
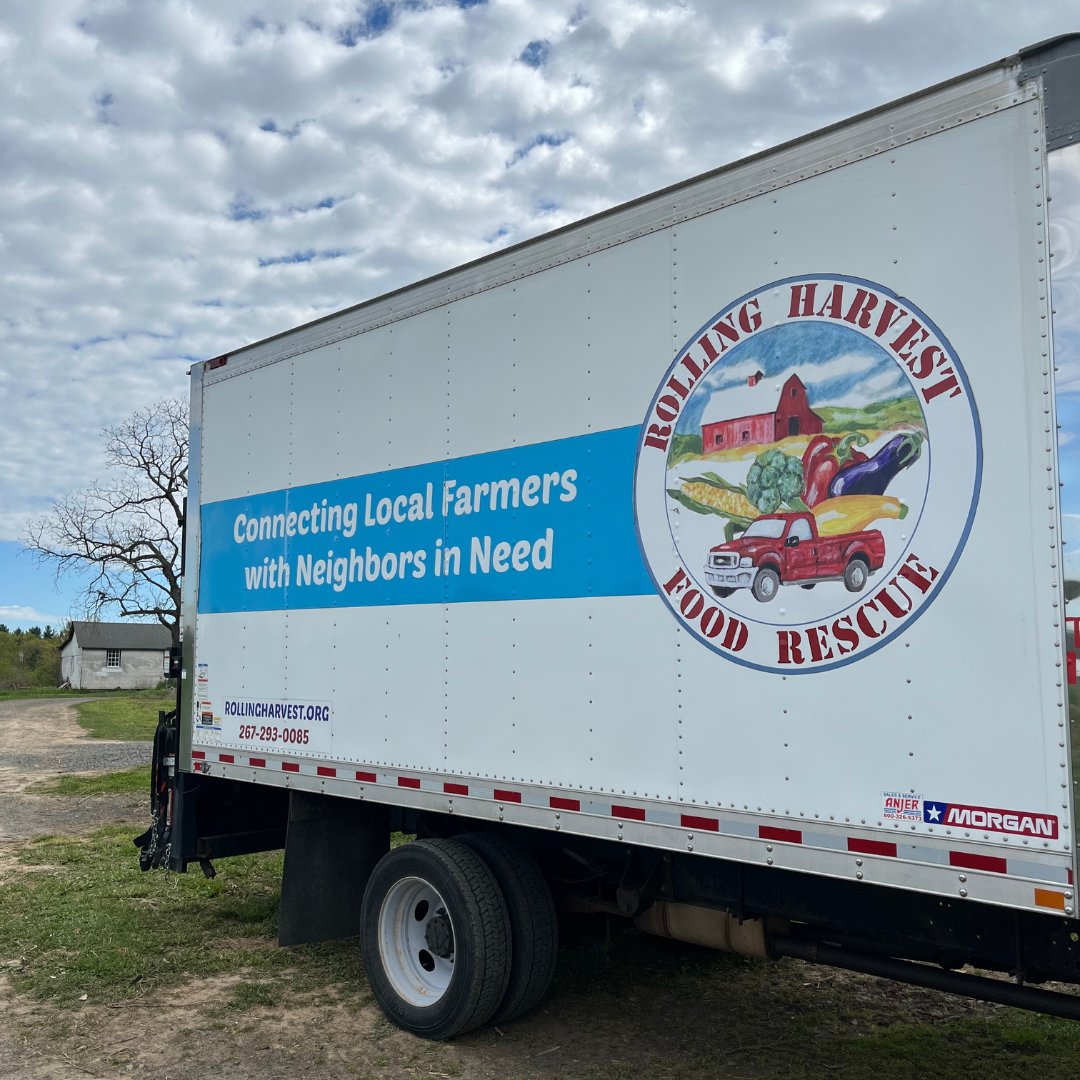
40 738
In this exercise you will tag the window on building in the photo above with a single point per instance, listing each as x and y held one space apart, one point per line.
746 436
718 439
112 658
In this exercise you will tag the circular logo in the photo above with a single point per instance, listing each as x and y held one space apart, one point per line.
807 473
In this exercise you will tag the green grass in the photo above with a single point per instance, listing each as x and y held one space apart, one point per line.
88 922
38 692
132 781
881 415
132 714
92 923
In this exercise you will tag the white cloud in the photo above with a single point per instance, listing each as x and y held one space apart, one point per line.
18 615
183 177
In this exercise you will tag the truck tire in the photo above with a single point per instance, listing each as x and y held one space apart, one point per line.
766 585
722 591
435 938
534 928
856 574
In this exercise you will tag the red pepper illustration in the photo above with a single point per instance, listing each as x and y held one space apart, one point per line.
824 457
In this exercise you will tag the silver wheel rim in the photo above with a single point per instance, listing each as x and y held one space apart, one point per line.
858 576
767 586
412 914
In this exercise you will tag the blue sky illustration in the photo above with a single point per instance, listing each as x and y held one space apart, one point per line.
838 366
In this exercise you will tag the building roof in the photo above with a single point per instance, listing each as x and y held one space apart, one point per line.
737 402
129 635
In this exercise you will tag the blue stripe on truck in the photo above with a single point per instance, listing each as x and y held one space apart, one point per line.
535 522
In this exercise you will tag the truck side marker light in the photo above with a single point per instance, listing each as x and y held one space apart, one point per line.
257 762
456 789
503 795
632 813
871 847
701 824
785 836
558 803
967 861
325 770
198 755
408 781
367 777
227 758
1049 899
290 766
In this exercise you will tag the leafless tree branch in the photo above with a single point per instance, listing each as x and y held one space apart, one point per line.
126 531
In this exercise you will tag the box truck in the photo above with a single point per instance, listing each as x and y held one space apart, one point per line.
699 564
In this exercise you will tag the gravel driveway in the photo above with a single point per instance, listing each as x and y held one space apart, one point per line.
40 738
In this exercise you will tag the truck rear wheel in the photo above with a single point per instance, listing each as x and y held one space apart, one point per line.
435 938
766 584
534 928
856 574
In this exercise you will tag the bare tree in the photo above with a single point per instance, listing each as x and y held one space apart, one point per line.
126 531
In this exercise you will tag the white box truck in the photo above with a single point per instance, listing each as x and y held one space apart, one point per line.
699 563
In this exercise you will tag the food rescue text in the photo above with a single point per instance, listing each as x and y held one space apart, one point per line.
916 346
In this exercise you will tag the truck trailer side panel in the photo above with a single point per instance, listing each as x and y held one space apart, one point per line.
447 550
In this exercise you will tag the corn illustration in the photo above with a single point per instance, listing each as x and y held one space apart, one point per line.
730 502
853 513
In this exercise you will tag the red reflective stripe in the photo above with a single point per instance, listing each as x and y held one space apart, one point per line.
871 847
967 861
290 766
558 803
704 824
456 789
1070 667
257 762
632 812
198 755
325 770
227 758
785 836
503 795
367 777
408 781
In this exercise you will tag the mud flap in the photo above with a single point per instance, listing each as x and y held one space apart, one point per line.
331 847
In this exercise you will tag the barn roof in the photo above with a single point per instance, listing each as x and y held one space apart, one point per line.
743 400
111 635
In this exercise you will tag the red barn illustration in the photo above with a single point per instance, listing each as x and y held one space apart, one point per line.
752 415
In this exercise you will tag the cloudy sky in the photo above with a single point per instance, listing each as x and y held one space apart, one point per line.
181 177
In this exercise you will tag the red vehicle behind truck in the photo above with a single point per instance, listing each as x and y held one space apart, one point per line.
786 549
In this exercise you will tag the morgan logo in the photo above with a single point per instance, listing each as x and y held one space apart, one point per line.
807 474
988 819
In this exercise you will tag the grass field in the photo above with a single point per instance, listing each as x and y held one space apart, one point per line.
40 692
89 923
131 714
129 782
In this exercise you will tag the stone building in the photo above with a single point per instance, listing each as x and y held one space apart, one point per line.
111 656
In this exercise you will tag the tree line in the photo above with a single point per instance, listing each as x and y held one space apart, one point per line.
29 659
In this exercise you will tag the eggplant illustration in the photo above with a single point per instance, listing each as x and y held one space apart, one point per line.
873 476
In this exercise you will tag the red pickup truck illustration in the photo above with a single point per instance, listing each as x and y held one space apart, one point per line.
785 549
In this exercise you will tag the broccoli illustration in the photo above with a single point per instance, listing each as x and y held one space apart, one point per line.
774 478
